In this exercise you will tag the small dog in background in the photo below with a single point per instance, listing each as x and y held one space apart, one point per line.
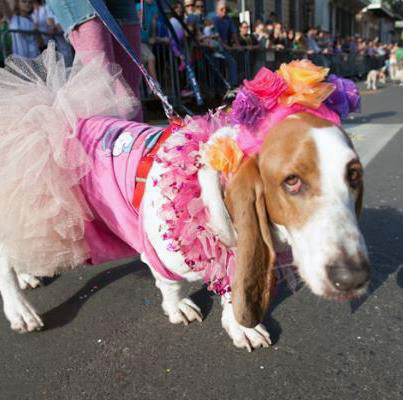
374 77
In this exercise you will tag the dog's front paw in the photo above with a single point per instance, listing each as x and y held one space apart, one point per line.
245 338
22 316
184 311
27 281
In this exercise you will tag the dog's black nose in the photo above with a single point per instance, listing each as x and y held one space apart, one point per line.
347 277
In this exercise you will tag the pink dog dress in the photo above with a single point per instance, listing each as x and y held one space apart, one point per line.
116 148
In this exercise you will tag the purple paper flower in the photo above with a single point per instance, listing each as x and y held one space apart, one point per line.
247 109
345 98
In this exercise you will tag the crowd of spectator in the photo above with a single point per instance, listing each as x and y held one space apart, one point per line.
224 37
32 25
193 27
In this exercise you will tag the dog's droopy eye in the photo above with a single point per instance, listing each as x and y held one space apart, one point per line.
292 184
354 174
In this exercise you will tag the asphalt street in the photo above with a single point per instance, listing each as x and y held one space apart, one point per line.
107 338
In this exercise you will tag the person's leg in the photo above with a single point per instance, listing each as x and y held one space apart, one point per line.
65 49
130 71
150 60
392 71
91 39
233 69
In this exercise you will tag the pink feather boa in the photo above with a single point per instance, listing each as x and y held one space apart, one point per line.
184 212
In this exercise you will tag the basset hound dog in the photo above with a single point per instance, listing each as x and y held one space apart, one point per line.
303 189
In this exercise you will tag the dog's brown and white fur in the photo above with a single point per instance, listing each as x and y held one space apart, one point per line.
374 77
304 188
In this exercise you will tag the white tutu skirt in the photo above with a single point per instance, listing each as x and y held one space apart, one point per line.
42 210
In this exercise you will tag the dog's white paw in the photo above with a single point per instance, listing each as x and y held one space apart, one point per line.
27 281
184 311
22 316
246 338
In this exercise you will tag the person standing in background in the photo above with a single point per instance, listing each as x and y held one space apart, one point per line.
89 36
246 39
178 48
189 8
40 18
199 14
24 44
194 17
393 66
229 40
149 17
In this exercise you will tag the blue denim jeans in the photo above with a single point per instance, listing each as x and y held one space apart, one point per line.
70 13
233 69
232 66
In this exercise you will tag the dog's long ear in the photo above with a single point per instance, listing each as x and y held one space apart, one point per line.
255 256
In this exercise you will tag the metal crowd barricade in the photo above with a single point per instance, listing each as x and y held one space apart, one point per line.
168 75
248 61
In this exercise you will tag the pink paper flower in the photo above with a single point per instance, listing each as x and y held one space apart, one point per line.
267 86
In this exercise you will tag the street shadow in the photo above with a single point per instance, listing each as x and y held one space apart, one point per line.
67 311
366 118
203 298
273 327
382 228
383 231
64 313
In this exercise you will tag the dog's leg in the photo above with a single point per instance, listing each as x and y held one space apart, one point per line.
247 338
27 281
22 316
178 308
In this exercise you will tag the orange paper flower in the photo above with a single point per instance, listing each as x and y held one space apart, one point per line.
224 155
305 84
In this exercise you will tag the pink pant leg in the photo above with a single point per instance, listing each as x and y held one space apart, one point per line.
91 39
130 71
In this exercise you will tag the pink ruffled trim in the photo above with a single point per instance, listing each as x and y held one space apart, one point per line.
184 212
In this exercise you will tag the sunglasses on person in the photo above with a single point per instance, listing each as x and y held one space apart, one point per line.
199 5
189 5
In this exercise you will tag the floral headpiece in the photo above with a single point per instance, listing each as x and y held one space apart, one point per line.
298 86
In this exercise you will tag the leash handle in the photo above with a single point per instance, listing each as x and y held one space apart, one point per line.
113 27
